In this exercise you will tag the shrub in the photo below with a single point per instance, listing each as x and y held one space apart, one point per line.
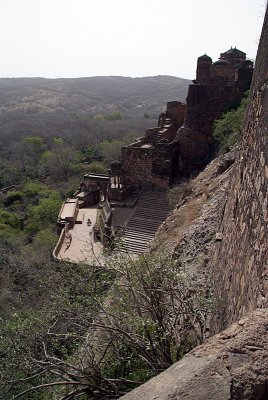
97 167
12 197
32 189
9 219
178 192
228 128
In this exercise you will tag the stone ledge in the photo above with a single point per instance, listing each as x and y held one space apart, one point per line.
232 365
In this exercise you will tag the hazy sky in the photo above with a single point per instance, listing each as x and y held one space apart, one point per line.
77 38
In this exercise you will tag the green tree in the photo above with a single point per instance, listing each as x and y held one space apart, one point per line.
33 147
89 153
110 150
34 191
115 116
59 163
98 117
97 167
43 214
11 173
45 238
57 141
54 328
12 197
9 219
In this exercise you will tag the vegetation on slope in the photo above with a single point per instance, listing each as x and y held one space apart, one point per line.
56 159
77 344
61 336
228 128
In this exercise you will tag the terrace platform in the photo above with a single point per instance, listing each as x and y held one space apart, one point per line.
79 244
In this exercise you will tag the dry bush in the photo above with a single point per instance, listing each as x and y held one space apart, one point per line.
178 192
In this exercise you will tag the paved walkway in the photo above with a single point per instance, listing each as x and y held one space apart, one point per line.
82 247
138 227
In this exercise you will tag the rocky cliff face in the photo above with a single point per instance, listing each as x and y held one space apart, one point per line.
240 261
232 365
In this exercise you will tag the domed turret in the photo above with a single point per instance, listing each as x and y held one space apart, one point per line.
222 69
203 69
235 56
204 58
221 62
233 51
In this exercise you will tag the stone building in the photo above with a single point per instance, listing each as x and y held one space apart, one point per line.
218 86
180 144
153 159
182 141
92 189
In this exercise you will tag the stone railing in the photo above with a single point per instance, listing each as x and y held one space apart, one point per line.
102 227
64 233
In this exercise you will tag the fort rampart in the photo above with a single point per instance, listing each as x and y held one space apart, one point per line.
241 259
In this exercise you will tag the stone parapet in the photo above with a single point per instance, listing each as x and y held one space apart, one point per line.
240 261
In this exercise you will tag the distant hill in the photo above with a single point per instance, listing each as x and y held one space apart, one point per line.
79 110
133 97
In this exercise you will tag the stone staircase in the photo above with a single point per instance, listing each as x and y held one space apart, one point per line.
154 138
151 210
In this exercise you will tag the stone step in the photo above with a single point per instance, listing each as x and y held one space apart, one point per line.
134 236
135 239
151 210
135 242
140 228
134 246
151 215
138 234
138 231
145 221
137 245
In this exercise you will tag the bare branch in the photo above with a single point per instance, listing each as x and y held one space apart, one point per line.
47 385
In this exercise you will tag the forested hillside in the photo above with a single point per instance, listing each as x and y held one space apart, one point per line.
54 126
51 133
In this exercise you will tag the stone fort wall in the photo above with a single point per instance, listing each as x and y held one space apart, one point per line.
240 260
153 164
217 88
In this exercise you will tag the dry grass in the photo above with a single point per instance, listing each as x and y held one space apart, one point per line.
179 192
172 231
192 210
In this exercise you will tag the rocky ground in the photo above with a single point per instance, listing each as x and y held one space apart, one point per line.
192 227
232 365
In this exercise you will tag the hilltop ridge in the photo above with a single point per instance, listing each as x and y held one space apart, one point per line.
92 95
